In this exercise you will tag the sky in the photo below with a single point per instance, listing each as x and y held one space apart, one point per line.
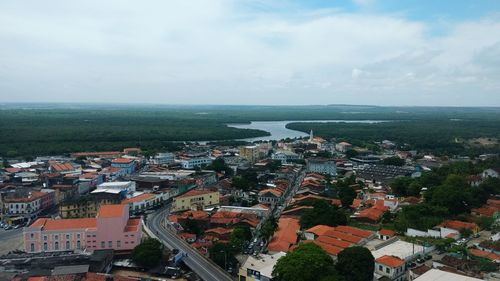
259 52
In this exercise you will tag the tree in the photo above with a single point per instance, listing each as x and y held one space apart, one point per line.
241 183
308 262
323 213
346 195
148 253
222 254
192 226
356 264
465 232
239 235
351 153
268 227
395 161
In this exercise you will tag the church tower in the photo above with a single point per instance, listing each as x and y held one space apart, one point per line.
311 136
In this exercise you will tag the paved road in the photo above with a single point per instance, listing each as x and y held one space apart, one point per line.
207 270
7 234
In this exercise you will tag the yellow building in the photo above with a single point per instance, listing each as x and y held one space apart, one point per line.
251 153
195 199
84 207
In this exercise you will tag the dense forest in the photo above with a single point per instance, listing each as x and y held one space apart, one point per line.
439 136
37 129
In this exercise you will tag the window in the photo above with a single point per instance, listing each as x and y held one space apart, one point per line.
103 244
78 245
56 246
67 236
56 237
78 235
32 235
118 243
67 245
110 244
32 248
380 268
388 270
45 246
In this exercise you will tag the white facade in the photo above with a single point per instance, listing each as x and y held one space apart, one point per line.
195 162
285 156
490 173
394 273
164 158
438 275
322 166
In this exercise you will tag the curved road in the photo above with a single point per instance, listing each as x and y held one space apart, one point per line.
206 269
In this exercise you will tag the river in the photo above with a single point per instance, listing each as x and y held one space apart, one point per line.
279 131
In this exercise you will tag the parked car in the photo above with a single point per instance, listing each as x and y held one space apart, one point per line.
7 227
420 260
428 257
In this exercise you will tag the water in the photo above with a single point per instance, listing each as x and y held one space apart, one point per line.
279 131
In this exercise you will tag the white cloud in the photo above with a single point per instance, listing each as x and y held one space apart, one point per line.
231 52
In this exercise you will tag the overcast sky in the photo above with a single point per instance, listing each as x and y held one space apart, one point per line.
385 52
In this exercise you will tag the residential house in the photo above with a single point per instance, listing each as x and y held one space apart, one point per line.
492 172
391 267
127 165
270 196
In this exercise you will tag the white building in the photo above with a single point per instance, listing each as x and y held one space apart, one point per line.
120 186
195 162
285 156
438 275
322 166
390 267
259 268
493 173
164 158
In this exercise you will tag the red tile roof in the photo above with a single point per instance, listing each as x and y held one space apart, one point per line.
354 231
333 241
112 211
275 192
122 161
219 230
139 198
62 224
484 254
457 225
60 167
195 192
285 235
387 232
390 261
330 249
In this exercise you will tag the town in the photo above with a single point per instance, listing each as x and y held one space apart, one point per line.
267 210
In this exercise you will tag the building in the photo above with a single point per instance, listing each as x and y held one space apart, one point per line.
164 158
87 206
391 267
143 202
385 234
285 235
28 204
270 196
493 173
125 164
196 199
285 156
322 166
111 229
459 225
126 187
440 275
191 163
343 146
259 268
403 250
250 153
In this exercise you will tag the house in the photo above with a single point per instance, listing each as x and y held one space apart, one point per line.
416 272
111 229
385 234
270 196
286 156
164 158
474 180
322 166
334 239
27 203
196 199
391 267
127 165
459 225
285 235
63 168
401 249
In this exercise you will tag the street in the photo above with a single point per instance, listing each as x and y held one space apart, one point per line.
206 269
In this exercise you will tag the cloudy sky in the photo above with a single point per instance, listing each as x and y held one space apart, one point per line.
383 52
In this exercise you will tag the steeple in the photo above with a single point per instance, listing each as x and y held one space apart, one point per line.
311 135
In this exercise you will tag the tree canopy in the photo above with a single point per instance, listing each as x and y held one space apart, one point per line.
356 264
308 262
148 253
323 213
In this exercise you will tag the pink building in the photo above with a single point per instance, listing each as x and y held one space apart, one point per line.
111 229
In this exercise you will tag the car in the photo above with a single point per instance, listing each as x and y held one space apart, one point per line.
17 226
262 243
428 257
477 235
420 260
412 264
7 227
255 240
